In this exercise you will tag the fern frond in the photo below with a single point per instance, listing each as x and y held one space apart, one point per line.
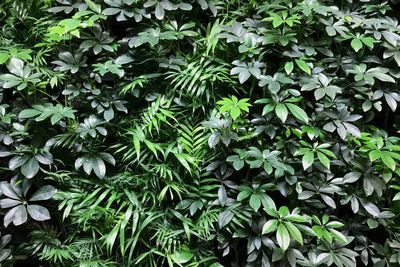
199 78
193 138
160 111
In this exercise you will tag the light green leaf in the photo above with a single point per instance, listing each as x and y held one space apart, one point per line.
294 232
303 66
255 201
368 41
383 77
374 155
281 111
319 231
338 236
335 224
296 218
93 6
235 112
4 57
29 113
307 160
283 237
324 160
70 24
270 226
388 161
356 44
299 113
182 256
289 67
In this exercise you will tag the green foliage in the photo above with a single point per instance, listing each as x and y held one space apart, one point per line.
234 106
199 133
21 205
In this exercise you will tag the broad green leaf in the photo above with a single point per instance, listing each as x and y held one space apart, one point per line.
283 211
289 67
356 44
270 226
38 213
383 77
224 218
307 160
29 113
70 24
182 256
294 232
17 161
238 164
281 111
370 208
374 155
16 66
303 66
335 224
338 236
9 191
6 203
328 200
98 166
283 237
109 114
388 161
93 6
368 41
324 160
30 168
319 231
299 113
17 215
4 57
235 112
272 212
243 195
296 218
44 193
255 201
213 140
328 236
159 12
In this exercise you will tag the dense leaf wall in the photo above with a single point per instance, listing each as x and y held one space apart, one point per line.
199 133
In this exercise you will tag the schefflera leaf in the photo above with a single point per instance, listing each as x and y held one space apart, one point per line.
95 163
30 163
286 224
21 205
20 75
